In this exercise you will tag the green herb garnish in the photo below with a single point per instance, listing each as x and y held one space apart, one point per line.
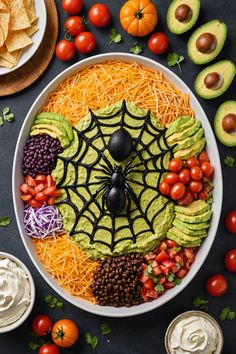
200 303
136 48
4 221
177 249
226 314
53 302
115 37
175 59
159 288
33 346
91 340
7 115
171 276
105 328
229 161
177 281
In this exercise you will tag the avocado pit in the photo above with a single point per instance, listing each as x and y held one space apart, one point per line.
183 13
206 43
229 123
213 81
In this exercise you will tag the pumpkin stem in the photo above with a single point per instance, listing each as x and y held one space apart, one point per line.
139 14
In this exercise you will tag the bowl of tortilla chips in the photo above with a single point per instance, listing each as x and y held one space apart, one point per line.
22 28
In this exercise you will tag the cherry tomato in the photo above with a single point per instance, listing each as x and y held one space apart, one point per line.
207 168
74 25
184 176
230 221
177 191
186 199
230 260
192 161
196 173
41 325
72 6
85 42
65 333
195 186
217 285
203 195
158 43
203 157
65 50
49 349
165 188
175 165
99 15
171 178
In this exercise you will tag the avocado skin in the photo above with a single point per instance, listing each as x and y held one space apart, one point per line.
224 137
193 219
174 138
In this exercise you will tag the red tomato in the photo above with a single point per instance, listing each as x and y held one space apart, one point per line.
51 201
203 157
40 179
158 43
65 333
26 197
162 256
65 50
230 221
50 181
30 181
186 199
230 260
207 169
184 176
34 203
195 186
39 188
74 25
175 165
171 178
149 284
217 285
177 191
165 188
41 196
72 6
203 195
99 15
24 188
85 42
171 243
49 349
196 173
56 194
49 190
192 161
41 325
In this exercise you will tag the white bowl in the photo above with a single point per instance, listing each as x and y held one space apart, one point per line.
17 323
37 37
17 179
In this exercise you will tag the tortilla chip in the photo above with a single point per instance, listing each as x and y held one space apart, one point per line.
17 40
7 56
31 30
4 21
4 6
6 63
17 54
1 37
19 18
31 16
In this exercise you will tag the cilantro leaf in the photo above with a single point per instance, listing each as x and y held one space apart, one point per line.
226 314
91 340
115 37
200 302
177 281
171 276
1 121
7 115
175 59
5 110
177 249
159 288
53 302
229 161
33 346
105 328
4 220
136 48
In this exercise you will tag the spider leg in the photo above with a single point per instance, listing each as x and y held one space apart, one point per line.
106 168
105 185
103 178
109 165
104 197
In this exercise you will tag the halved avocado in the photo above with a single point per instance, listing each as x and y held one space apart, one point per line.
225 137
182 15
226 70
216 29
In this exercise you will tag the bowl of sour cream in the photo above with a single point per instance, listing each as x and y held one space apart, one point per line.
17 292
194 332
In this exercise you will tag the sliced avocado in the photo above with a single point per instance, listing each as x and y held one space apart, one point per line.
193 219
182 19
49 127
52 123
197 226
186 238
44 131
195 208
59 118
218 30
186 143
226 70
189 232
228 137
176 137
179 125
37 131
193 150
181 242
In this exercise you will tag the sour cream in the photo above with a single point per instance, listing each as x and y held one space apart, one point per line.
14 292
193 334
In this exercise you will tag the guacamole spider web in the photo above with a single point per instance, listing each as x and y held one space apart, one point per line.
84 171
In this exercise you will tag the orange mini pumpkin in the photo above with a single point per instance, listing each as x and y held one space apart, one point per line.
138 17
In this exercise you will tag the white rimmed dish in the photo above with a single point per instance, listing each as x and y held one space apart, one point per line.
17 179
28 310
37 37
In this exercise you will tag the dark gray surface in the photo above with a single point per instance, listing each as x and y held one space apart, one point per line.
142 334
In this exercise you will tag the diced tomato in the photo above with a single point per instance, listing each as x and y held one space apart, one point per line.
34 203
162 280
24 188
179 260
162 246
149 284
188 253
51 201
181 273
143 278
168 264
171 243
30 181
143 266
41 196
149 256
56 193
168 285
50 190
39 188
25 197
50 181
156 270
162 256
154 263
144 294
152 293
164 270
40 179
171 253
176 268
31 191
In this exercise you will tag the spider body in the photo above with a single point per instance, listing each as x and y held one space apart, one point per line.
115 199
